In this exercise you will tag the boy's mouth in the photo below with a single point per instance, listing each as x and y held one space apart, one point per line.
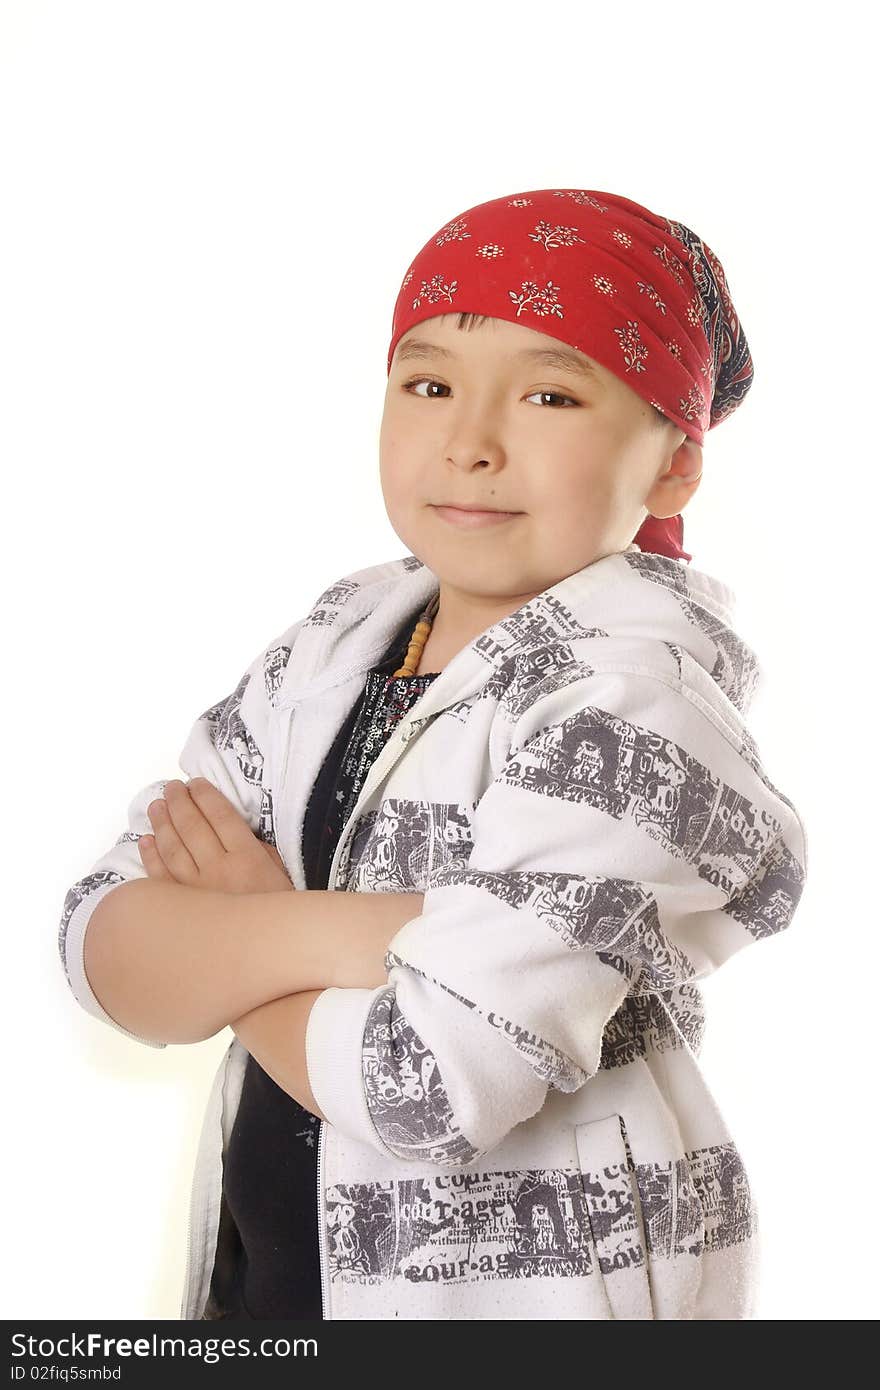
473 516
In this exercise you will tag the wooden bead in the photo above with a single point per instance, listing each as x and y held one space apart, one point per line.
415 648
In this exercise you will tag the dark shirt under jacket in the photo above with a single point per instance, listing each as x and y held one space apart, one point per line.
266 1264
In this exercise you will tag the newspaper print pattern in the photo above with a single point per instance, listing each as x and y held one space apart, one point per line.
736 668
274 670
597 759
333 599
660 1022
476 1226
672 1018
396 848
229 731
551 1065
77 894
540 660
616 918
405 1094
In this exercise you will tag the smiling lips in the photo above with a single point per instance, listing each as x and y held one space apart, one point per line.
469 517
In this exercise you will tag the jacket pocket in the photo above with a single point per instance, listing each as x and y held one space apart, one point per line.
614 1210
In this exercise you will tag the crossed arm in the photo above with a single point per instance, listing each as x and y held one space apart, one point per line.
216 936
275 1033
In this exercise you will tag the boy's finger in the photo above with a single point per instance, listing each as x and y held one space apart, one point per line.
229 825
176 853
196 833
151 858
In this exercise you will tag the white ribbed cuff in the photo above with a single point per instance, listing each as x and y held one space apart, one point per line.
74 947
334 1060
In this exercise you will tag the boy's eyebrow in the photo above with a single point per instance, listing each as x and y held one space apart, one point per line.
549 357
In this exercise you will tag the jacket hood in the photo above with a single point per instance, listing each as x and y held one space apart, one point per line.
631 598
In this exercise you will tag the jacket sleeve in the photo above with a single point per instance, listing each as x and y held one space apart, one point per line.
629 843
227 745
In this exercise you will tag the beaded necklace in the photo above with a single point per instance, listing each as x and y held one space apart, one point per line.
418 639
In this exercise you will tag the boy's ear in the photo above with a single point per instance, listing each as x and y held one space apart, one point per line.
679 480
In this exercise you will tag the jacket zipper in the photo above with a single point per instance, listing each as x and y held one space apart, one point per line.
198 1188
189 1261
194 1267
325 1303
190 1251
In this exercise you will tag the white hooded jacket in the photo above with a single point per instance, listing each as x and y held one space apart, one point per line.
517 1124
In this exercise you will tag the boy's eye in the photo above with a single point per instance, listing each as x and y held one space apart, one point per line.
429 381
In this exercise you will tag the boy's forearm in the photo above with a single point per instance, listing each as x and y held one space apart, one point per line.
275 1034
177 964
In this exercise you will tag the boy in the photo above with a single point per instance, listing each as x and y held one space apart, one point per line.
553 823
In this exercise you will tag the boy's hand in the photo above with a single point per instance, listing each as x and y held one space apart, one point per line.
201 840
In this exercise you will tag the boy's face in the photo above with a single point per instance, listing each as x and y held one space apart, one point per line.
581 467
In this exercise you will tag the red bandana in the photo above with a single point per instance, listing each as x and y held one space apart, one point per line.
640 294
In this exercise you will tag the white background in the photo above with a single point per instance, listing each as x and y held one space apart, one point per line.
191 399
